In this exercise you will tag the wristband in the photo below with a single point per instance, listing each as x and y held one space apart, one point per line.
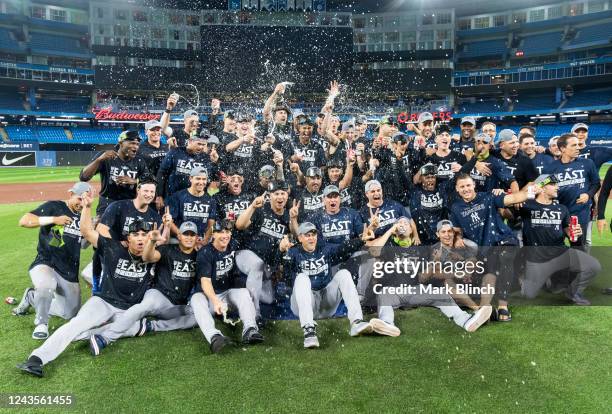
168 111
45 220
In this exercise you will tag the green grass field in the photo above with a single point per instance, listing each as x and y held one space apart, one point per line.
40 175
548 359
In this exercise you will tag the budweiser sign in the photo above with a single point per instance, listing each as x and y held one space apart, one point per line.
108 114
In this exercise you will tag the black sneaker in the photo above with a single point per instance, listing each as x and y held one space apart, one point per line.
252 336
310 337
32 368
146 326
218 343
261 323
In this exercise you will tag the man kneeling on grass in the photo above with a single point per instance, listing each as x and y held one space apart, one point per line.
400 287
316 292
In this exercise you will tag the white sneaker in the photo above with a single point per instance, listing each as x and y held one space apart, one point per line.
40 332
24 305
360 328
310 337
479 318
384 328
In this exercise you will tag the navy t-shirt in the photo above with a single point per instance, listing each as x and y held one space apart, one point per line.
184 206
268 229
340 227
575 178
120 214
427 208
318 264
175 273
233 203
543 226
480 220
176 169
219 266
153 156
59 247
388 213
445 164
599 155
501 176
541 162
126 277
310 204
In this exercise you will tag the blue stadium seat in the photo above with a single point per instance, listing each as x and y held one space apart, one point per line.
59 45
540 44
495 47
599 33
75 105
8 42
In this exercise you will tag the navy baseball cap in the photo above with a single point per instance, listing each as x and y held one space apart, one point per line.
266 171
331 189
313 172
278 186
304 120
189 113
198 171
129 135
424 117
442 128
139 225
429 169
484 137
223 224
372 184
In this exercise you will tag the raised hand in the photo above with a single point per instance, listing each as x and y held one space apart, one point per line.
285 244
108 155
171 101
259 201
167 217
155 234
374 219
295 210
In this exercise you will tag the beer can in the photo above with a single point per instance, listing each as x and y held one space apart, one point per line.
231 215
573 223
530 193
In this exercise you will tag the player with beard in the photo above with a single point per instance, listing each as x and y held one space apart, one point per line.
361 126
528 148
345 181
119 170
396 166
194 205
487 171
273 111
268 224
546 224
127 279
466 142
340 147
152 150
55 270
305 152
428 202
240 149
424 128
233 199
310 196
176 167
191 121
475 217
448 162
578 182
336 223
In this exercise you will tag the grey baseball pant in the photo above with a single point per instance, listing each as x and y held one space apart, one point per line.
53 295
94 313
251 265
310 304
154 303
451 311
200 312
576 261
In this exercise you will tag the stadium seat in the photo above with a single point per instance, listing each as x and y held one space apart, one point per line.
495 47
540 44
52 44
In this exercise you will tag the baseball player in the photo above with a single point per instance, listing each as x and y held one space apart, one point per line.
195 205
126 280
54 272
316 291
175 274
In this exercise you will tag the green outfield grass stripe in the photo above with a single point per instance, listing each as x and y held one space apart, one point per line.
40 175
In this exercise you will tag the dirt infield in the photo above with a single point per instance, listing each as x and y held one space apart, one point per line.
21 193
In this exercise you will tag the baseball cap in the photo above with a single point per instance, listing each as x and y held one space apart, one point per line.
152 124
347 125
79 188
505 135
147 179
243 117
188 113
468 120
304 120
223 224
425 116
579 125
129 135
429 169
306 227
361 119
550 141
331 189
266 171
313 172
278 185
387 120
298 112
442 128
188 226
400 137
139 225
372 184
483 137
282 107
230 114
197 171
544 179
233 170
334 163
443 223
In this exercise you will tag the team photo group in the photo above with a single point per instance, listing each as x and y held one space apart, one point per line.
233 214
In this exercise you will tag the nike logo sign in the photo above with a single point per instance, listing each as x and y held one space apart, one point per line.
6 161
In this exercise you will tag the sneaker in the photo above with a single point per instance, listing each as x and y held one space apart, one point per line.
578 299
261 323
25 303
41 332
218 343
360 327
96 344
479 318
252 336
146 326
384 328
310 337
31 367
